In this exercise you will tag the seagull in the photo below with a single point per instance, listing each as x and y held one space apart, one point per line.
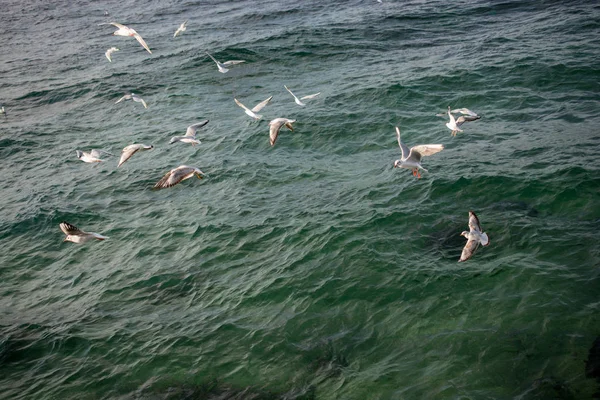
223 66
130 150
256 108
133 97
181 28
411 158
109 52
298 100
91 157
474 237
452 125
275 126
463 111
76 235
3 111
126 31
190 134
174 176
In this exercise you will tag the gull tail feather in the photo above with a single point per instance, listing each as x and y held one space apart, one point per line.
484 239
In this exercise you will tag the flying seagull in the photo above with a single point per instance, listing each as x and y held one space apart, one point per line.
181 28
455 124
76 235
133 97
463 111
130 150
3 111
276 125
474 237
174 176
109 52
298 100
256 108
126 31
223 66
411 157
91 157
190 134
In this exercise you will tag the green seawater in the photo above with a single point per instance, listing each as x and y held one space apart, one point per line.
312 269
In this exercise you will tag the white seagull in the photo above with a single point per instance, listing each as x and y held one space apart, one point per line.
474 237
298 100
109 52
276 125
76 235
3 111
455 124
130 150
223 66
91 157
133 97
411 158
181 28
452 125
190 134
126 31
256 108
174 176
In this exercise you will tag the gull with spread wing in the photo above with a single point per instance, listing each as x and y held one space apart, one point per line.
174 176
91 157
190 134
276 125
181 28
126 31
411 157
76 235
133 97
474 237
130 150
109 52
257 108
298 100
223 66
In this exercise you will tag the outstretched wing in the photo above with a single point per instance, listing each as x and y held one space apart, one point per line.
128 152
120 26
469 249
232 62
142 42
191 130
428 149
69 229
474 222
403 148
260 105
310 96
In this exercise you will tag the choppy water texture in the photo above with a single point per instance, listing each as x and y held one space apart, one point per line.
311 269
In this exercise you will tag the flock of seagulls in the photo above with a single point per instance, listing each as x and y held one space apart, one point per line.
410 157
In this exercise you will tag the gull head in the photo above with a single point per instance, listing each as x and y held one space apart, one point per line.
174 139
397 163
465 234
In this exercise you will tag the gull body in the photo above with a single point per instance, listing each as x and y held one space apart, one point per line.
190 134
276 125
133 97
109 52
452 124
257 108
76 235
223 66
126 31
181 28
174 176
299 100
91 157
130 150
474 236
411 157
